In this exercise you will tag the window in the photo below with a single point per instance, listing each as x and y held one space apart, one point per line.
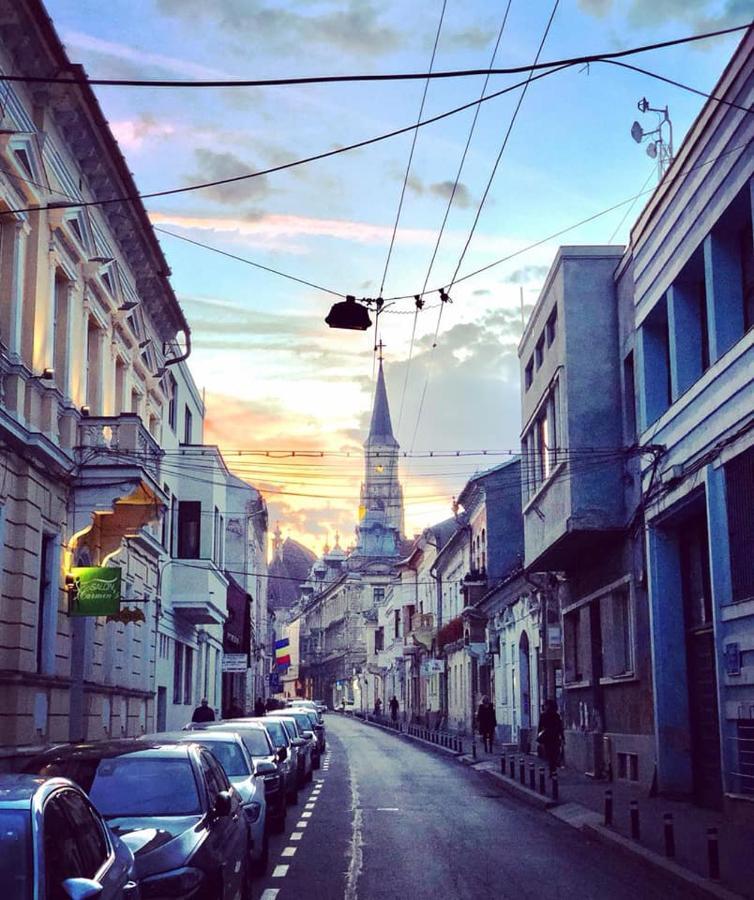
628 766
629 398
135 402
378 595
529 374
655 344
746 247
189 529
695 573
166 516
187 425
379 640
93 368
541 444
551 327
120 387
178 673
539 351
47 611
616 633
164 646
739 491
188 674
173 526
172 400
89 835
397 623
63 855
574 644
218 538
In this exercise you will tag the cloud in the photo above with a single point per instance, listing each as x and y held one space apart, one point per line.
136 60
598 8
132 133
472 38
353 27
214 166
526 275
444 189
703 15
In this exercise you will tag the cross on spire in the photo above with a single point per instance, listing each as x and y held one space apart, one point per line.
379 347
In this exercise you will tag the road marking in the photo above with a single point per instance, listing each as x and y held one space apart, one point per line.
297 835
309 806
269 894
355 851
280 871
288 851
306 815
301 824
387 809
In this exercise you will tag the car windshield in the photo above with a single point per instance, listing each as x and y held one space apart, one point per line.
15 854
257 742
291 727
303 720
133 786
229 755
276 732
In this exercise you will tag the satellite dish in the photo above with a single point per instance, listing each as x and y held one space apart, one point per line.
652 150
637 132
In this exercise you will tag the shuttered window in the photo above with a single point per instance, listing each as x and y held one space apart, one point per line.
739 483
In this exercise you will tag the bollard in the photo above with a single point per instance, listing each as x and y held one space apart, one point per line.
542 789
531 777
669 835
473 749
522 770
634 813
512 766
608 808
460 746
713 854
502 765
555 787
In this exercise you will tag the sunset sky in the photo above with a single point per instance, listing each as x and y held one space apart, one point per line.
275 377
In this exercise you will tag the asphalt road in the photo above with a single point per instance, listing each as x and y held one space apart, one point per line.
384 818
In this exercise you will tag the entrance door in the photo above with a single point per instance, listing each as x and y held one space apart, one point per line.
524 670
162 708
700 663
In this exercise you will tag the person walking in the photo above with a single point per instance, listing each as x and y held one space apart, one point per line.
394 705
259 707
550 734
378 707
486 721
203 712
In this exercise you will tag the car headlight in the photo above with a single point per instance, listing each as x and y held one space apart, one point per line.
175 883
253 811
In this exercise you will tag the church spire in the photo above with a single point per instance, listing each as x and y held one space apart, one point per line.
381 429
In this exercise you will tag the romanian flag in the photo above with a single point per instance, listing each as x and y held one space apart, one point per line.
282 654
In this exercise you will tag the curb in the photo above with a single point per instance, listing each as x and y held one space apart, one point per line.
410 737
697 885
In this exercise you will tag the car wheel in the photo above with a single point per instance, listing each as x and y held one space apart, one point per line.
260 865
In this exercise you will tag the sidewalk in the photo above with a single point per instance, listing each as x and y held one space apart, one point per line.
582 799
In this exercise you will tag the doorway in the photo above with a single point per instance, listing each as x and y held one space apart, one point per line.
162 708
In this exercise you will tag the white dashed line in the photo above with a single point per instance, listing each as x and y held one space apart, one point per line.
269 894
280 871
288 851
306 815
309 806
296 835
301 824
387 809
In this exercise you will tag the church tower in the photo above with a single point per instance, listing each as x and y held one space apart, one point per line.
381 508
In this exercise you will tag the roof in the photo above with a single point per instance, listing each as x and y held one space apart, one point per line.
483 476
19 789
380 428
105 750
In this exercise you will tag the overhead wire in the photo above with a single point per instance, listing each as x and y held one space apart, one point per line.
480 206
335 79
447 212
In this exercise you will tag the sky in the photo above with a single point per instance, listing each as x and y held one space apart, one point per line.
275 376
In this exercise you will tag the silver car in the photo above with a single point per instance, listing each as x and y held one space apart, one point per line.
54 843
305 745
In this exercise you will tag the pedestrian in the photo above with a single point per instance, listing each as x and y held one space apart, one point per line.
394 708
235 711
203 712
259 707
378 707
486 722
550 735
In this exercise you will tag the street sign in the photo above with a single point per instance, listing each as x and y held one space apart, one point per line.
95 590
234 662
275 683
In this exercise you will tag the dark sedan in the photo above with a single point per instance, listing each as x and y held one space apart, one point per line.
54 844
172 805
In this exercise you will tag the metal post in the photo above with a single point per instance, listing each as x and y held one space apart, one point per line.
608 808
669 835
542 780
634 812
555 787
512 766
713 854
531 777
473 748
502 765
522 770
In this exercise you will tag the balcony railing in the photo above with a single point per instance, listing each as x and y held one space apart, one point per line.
108 440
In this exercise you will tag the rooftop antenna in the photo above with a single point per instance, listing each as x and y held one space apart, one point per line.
659 147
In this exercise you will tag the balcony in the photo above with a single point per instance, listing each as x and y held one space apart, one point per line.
117 489
197 592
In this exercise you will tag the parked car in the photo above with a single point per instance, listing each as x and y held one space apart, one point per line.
303 744
314 725
307 704
55 844
230 751
289 762
269 763
172 805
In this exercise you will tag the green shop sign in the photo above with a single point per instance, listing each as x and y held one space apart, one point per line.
95 591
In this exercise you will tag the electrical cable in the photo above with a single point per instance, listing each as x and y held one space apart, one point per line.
627 213
485 193
336 79
447 211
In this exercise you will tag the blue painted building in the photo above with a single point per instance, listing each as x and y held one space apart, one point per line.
686 285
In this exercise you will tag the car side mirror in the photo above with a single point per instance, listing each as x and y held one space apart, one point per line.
309 735
282 754
223 804
298 742
81 888
265 768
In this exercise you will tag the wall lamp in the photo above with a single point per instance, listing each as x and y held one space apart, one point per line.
128 305
85 411
47 374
